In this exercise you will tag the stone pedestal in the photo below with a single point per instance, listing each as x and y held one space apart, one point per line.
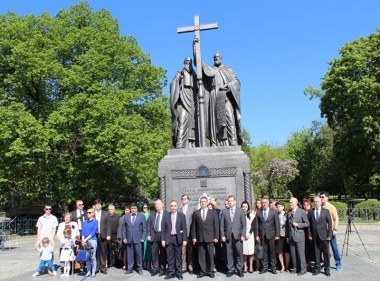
217 171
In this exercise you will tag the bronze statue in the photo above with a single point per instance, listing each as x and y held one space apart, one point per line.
183 104
222 92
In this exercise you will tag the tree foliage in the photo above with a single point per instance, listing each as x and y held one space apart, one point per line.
83 109
350 101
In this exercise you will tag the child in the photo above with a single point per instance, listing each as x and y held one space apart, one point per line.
46 257
67 252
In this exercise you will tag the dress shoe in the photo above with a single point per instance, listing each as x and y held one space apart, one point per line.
179 276
211 274
240 274
190 272
301 273
139 271
171 276
274 271
201 275
327 273
263 271
316 272
292 272
229 274
104 271
161 273
153 273
128 271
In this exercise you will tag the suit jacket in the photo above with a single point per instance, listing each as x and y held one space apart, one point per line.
299 217
188 216
269 228
237 228
103 224
151 222
136 232
75 216
321 228
180 228
205 231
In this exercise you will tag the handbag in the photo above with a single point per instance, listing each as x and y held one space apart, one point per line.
259 251
83 256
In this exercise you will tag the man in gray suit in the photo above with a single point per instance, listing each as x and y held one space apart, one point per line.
320 232
296 222
233 229
187 251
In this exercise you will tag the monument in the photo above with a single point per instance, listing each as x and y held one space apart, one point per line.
205 107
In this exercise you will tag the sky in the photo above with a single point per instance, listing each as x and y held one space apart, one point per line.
276 48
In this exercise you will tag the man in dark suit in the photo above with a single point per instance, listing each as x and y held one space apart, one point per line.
205 232
79 215
296 222
173 237
320 232
101 252
267 230
134 233
233 228
220 255
155 226
187 252
112 221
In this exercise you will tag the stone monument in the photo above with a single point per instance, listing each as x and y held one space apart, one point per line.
206 110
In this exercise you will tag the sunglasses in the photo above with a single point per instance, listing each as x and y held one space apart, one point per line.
47 209
80 204
89 212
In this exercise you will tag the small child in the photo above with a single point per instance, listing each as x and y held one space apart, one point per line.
46 257
67 253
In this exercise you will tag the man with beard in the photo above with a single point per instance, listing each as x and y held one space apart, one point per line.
183 100
222 93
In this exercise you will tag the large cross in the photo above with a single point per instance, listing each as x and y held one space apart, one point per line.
197 28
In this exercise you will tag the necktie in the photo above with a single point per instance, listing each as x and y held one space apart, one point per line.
203 214
265 214
232 215
157 222
133 219
317 214
173 224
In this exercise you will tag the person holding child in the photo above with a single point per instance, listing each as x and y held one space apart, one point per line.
46 256
67 253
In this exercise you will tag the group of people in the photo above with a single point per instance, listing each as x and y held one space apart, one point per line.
183 238
300 237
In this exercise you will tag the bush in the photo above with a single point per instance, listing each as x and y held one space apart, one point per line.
369 209
341 208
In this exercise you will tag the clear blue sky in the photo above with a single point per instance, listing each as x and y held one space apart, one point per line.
276 48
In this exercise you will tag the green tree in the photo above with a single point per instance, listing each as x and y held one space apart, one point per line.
349 98
95 122
319 169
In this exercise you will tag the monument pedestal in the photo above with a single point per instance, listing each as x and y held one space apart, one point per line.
217 171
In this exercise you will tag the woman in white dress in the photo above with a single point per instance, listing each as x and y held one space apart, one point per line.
249 243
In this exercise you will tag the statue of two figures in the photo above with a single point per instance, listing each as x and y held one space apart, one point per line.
222 116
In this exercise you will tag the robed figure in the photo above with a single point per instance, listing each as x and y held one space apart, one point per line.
183 104
222 93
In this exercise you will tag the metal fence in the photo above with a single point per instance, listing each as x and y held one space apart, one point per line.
20 226
369 214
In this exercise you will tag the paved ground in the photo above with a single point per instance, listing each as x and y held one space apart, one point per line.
20 264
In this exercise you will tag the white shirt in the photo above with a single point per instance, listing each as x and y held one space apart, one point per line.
47 225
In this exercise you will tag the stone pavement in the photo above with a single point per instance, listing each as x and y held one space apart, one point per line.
20 264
